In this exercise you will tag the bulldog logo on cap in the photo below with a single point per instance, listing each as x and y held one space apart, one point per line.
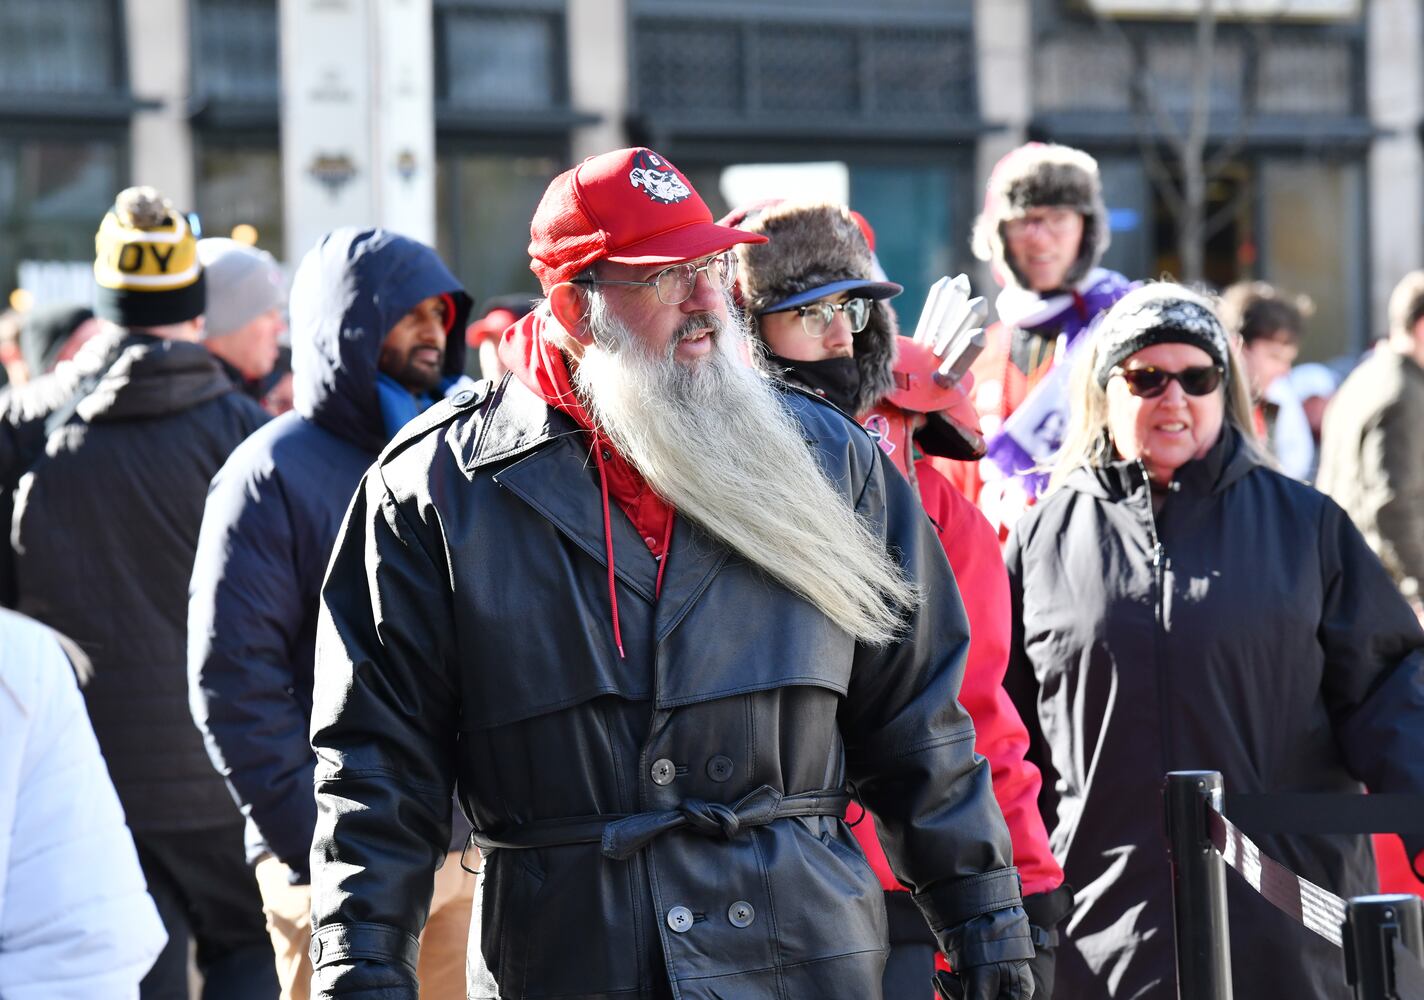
657 179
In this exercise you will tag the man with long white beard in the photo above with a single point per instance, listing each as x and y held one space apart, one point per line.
650 613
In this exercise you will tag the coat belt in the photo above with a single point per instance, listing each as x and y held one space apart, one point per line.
621 835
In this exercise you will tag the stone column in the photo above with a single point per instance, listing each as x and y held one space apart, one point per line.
358 118
598 73
1003 38
162 141
1394 51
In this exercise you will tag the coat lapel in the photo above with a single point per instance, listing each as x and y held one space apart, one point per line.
693 560
557 482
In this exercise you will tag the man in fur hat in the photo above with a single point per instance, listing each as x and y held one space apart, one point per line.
1044 229
652 611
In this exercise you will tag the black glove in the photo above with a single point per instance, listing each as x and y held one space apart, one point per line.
1045 910
998 981
990 956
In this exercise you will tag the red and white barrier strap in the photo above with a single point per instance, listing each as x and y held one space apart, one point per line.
1318 909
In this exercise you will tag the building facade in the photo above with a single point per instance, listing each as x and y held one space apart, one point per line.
1311 142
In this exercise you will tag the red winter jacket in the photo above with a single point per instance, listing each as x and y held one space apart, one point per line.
973 551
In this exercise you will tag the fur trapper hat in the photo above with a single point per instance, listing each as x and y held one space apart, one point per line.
1033 176
818 246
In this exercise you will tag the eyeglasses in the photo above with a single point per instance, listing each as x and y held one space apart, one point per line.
1149 382
817 317
1053 220
676 284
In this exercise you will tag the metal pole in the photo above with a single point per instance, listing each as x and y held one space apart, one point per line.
1198 887
1372 924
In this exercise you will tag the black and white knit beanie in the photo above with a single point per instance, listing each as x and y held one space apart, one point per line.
1038 175
1158 313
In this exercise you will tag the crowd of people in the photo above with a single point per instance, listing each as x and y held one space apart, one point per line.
721 640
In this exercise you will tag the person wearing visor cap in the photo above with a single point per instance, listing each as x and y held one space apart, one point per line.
831 241
814 302
649 611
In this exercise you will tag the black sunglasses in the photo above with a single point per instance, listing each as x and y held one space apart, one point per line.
1148 381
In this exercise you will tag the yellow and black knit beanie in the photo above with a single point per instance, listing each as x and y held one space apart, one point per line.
146 263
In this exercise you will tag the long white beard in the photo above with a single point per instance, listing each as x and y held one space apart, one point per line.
713 439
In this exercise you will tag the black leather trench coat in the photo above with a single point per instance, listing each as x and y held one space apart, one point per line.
466 637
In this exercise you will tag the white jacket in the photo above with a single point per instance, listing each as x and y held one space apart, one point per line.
76 920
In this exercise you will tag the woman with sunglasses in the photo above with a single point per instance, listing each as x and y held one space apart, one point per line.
1180 605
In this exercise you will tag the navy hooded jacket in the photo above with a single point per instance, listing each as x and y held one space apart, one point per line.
271 520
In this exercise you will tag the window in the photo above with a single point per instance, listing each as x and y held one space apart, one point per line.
235 50
484 202
53 193
67 47
507 56
240 183
1314 243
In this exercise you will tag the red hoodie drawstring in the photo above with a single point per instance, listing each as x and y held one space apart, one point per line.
608 547
663 559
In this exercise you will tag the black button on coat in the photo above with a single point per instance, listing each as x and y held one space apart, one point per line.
465 636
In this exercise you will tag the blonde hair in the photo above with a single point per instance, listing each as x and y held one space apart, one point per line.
1088 442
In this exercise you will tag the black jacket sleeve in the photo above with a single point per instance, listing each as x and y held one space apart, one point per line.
384 727
245 610
1021 683
1374 667
910 751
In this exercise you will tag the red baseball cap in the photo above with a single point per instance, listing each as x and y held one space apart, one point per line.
630 206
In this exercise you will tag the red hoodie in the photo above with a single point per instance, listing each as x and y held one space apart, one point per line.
972 547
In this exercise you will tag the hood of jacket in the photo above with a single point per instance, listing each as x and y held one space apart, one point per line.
1227 461
349 291
153 377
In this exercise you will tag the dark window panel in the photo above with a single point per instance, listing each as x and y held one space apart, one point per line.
1083 70
692 66
505 59
242 184
1257 68
809 70
484 204
236 49
53 194
922 72
1310 75
831 72
58 46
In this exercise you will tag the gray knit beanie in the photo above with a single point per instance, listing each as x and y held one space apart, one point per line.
243 283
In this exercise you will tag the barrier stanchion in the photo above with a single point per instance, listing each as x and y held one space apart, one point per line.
1375 927
1198 887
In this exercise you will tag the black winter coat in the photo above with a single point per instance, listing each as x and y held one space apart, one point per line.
29 412
1244 628
271 521
105 529
465 637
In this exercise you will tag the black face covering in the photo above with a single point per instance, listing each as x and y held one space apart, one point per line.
940 437
836 379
